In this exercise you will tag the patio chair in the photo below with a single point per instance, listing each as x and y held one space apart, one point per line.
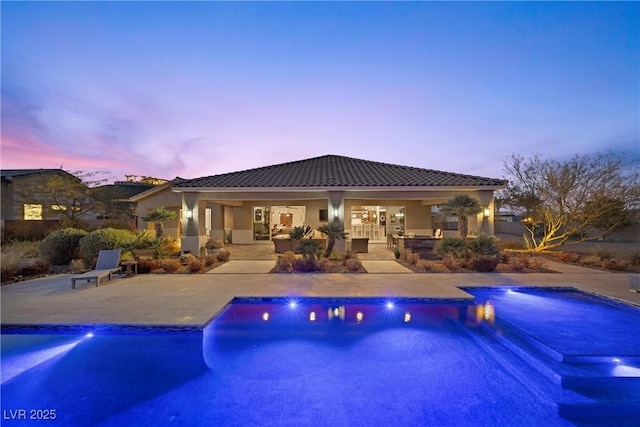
108 263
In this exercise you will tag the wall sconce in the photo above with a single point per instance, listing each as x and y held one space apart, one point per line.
189 214
336 213
486 213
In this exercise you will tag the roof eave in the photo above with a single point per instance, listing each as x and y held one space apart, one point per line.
336 188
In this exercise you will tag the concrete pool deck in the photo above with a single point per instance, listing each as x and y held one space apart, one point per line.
193 299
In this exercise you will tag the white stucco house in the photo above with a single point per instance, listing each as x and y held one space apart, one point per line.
370 198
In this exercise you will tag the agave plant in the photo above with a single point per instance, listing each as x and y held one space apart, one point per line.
484 246
299 232
309 249
451 246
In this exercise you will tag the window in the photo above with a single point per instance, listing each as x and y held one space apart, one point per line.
32 212
58 208
324 215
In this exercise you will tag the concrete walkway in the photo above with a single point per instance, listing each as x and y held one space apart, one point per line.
193 299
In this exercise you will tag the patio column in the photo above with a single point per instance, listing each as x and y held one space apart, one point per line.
336 213
193 221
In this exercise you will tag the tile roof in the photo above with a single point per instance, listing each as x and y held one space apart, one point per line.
338 171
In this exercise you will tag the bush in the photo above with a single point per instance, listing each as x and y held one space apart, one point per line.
8 273
452 264
223 255
634 257
77 266
568 256
61 246
186 259
431 266
482 264
209 260
170 265
104 239
592 260
616 264
35 268
195 265
284 263
484 246
605 254
453 247
410 257
146 266
353 265
304 266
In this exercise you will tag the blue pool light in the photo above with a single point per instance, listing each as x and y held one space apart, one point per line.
390 305
89 335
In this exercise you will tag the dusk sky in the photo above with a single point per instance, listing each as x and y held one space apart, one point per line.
190 89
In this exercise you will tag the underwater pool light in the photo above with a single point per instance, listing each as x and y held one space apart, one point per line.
293 304
389 305
89 335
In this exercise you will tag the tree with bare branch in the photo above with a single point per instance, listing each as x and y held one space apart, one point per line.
571 201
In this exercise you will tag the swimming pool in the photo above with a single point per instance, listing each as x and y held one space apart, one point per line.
519 356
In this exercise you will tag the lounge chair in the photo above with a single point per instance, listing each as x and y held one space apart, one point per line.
108 263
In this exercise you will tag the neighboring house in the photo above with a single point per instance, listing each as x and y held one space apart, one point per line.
370 198
23 213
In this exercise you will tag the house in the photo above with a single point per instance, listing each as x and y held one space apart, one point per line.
370 198
35 201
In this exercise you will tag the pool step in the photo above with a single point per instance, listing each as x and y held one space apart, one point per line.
585 388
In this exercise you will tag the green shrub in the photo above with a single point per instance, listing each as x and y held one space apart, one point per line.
186 259
484 246
61 246
8 273
209 260
453 247
104 239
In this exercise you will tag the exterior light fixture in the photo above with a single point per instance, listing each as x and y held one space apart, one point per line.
189 214
486 212
336 213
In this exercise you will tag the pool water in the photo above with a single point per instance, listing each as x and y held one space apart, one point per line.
512 357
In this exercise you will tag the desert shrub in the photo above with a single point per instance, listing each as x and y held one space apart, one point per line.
170 265
186 258
511 245
353 265
348 254
324 264
605 254
77 266
195 265
304 266
591 260
410 258
451 246
616 264
431 266
146 266
8 272
223 255
35 268
536 264
452 264
519 263
61 246
284 263
104 239
335 256
482 264
634 257
568 256
209 260
484 246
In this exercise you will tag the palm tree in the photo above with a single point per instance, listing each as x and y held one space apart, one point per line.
333 231
158 216
461 206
